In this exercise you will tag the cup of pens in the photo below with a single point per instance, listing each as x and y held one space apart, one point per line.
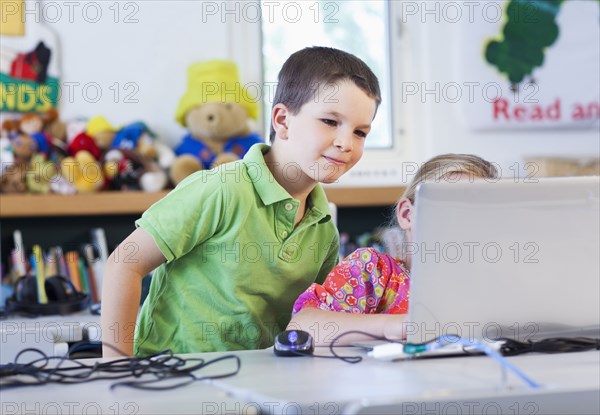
44 287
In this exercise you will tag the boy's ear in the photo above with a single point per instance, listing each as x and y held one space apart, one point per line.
404 213
279 119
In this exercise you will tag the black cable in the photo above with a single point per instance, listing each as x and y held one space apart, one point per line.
550 345
353 359
163 366
332 345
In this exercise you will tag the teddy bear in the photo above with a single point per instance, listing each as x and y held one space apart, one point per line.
13 179
216 110
18 149
55 128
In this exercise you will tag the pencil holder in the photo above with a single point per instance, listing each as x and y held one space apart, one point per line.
62 296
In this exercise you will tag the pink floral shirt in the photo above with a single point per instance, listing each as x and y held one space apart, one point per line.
365 282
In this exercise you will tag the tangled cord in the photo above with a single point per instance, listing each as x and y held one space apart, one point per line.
162 366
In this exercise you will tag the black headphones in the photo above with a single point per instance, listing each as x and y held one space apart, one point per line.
63 298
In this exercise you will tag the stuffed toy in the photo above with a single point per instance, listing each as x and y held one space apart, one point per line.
127 170
84 142
13 179
55 128
83 172
7 158
138 137
101 131
10 128
23 148
215 109
32 124
123 169
75 127
16 151
142 162
40 174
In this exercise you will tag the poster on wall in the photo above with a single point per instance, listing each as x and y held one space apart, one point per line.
29 61
532 64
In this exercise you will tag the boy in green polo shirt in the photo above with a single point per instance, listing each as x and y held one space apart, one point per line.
234 246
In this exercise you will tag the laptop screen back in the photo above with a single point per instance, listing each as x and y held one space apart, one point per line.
506 259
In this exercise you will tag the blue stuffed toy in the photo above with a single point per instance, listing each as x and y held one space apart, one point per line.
137 137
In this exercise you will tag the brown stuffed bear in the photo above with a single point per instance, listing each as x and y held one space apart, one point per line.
13 179
215 109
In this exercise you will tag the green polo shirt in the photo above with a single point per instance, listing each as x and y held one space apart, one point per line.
235 262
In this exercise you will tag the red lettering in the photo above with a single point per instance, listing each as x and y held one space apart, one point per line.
594 110
537 114
553 112
580 112
523 113
520 113
501 106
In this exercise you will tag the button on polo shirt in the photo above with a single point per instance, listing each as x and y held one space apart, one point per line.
285 217
235 261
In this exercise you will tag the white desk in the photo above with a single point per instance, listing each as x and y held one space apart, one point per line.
465 385
47 333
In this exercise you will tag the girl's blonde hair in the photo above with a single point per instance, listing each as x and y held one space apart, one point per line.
442 167
445 166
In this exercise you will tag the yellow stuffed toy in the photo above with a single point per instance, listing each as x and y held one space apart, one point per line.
215 109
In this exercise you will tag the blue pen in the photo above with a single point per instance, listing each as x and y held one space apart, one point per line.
33 268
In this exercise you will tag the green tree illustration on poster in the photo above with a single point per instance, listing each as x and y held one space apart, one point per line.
530 29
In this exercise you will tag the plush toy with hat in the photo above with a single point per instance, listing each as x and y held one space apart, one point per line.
138 137
216 109
101 131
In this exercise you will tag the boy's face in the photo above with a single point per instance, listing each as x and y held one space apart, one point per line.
327 136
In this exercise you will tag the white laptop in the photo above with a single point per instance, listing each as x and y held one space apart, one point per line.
506 259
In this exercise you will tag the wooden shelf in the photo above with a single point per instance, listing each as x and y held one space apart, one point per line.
364 196
104 203
124 203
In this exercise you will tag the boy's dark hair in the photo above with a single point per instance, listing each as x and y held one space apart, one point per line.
306 70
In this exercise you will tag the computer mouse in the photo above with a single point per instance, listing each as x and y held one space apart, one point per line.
293 343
